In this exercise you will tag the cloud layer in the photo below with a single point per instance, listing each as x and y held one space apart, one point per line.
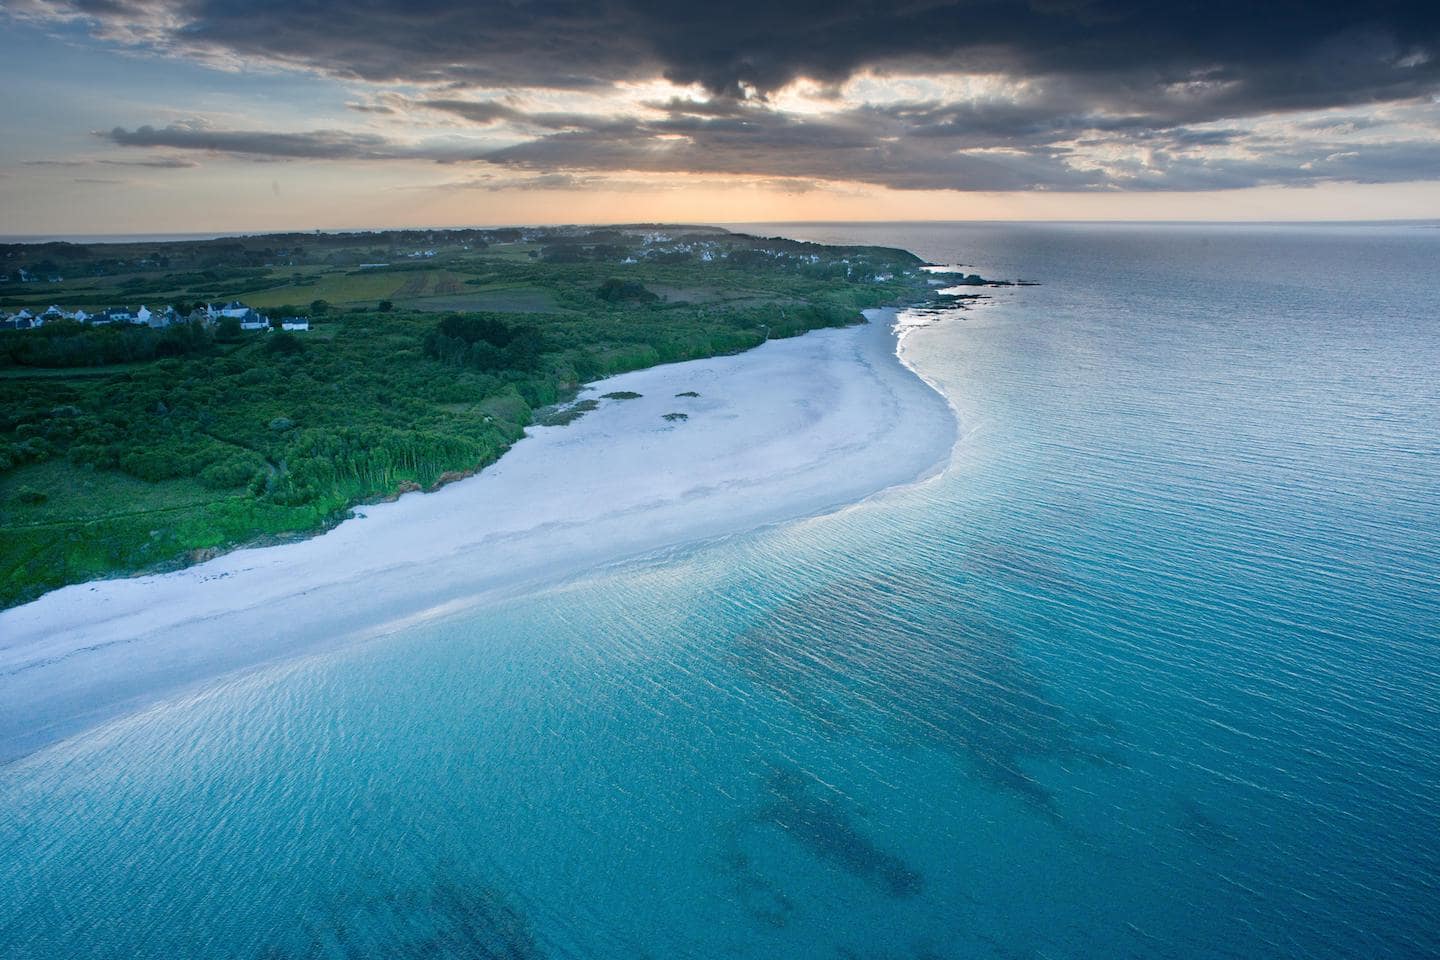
978 95
1266 55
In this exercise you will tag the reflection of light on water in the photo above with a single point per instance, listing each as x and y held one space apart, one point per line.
942 270
913 318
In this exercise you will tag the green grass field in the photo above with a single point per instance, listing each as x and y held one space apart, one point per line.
367 286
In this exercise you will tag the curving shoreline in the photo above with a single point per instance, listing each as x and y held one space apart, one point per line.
791 429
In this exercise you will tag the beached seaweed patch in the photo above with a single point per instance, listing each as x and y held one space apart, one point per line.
621 395
676 417
567 415
688 393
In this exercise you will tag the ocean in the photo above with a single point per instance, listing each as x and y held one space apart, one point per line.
1152 669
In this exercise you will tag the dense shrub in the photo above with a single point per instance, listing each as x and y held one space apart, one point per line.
236 470
31 496
484 342
70 344
284 343
615 291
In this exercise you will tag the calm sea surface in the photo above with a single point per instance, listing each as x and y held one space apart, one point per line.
1153 670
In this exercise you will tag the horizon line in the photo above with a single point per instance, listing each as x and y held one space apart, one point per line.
183 236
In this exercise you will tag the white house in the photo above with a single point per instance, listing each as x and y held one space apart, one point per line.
113 315
142 317
295 323
232 309
249 319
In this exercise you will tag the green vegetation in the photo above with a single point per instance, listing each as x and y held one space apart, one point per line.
71 344
614 290
127 448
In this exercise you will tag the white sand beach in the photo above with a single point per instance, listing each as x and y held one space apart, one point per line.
791 429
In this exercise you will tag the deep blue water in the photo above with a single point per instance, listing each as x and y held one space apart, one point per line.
1153 670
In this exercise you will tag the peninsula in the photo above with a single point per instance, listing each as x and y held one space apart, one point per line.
162 403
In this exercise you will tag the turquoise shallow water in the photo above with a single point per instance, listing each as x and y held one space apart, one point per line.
1152 670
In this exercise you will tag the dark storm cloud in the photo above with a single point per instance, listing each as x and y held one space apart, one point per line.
1172 87
1252 55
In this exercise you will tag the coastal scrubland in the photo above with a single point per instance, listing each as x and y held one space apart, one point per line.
128 448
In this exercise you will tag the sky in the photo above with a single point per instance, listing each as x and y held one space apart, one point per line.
169 116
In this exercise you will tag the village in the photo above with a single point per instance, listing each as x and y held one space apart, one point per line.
208 315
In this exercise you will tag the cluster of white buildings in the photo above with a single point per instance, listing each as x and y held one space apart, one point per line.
209 314
708 251
250 319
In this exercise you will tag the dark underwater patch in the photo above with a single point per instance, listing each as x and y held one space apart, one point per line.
918 652
757 896
797 806
449 920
